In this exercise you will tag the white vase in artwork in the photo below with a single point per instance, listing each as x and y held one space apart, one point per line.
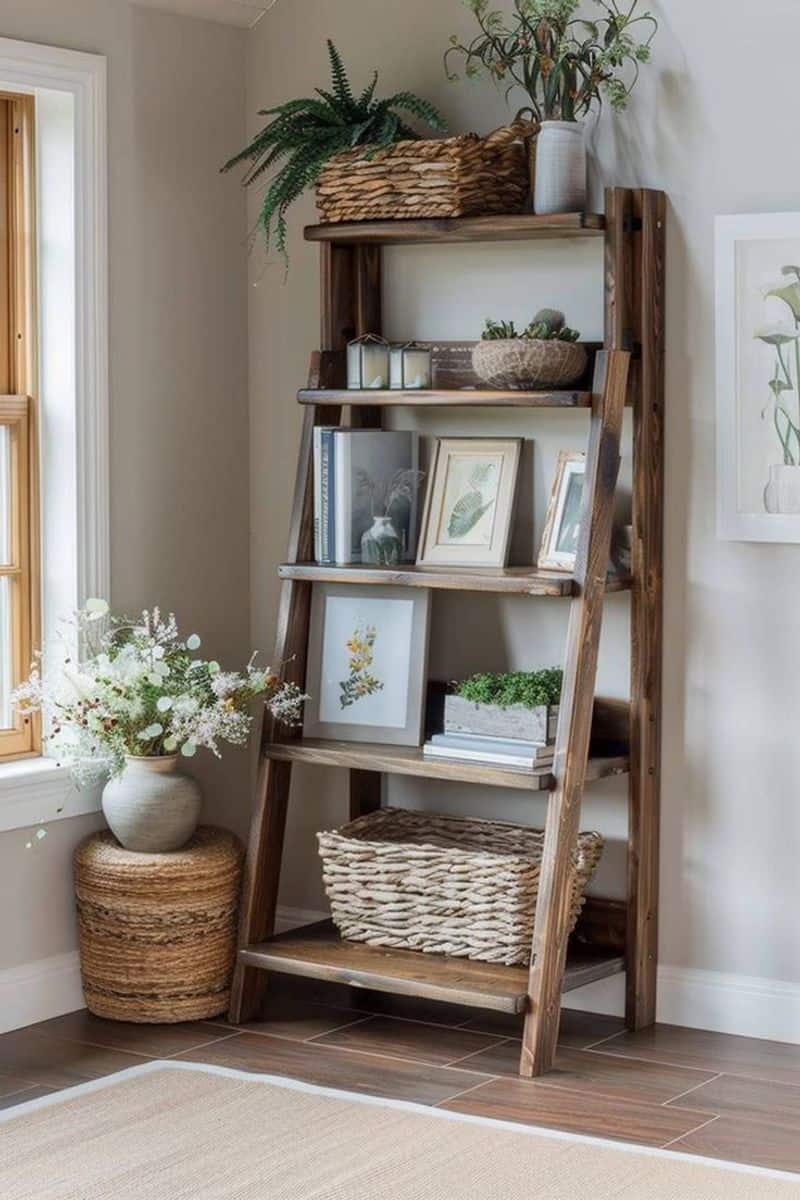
558 168
152 807
782 493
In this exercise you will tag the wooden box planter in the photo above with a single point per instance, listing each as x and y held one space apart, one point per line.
491 720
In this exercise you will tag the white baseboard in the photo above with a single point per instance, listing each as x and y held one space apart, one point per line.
749 1006
40 990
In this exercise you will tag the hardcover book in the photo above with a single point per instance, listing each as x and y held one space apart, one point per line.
366 462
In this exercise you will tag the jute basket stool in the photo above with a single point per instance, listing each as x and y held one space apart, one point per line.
158 931
443 885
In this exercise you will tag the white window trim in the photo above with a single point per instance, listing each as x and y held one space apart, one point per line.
34 790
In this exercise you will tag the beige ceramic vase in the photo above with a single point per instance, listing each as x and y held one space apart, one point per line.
152 807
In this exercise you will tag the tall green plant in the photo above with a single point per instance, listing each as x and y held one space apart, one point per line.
562 63
304 134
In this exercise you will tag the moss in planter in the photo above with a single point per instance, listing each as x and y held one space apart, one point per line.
529 688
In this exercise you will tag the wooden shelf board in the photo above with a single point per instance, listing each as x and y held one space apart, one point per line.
317 952
409 760
518 581
504 227
448 398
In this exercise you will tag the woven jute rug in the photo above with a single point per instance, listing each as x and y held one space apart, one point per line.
168 1131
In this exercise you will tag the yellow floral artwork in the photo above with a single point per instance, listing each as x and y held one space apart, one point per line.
360 680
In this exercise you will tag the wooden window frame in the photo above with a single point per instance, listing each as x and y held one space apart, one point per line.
18 401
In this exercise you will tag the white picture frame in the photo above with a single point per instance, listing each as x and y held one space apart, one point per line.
758 474
469 502
367 664
562 525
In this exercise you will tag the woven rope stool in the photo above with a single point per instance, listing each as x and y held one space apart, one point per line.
158 931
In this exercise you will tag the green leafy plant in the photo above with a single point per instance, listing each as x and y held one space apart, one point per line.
304 134
548 325
562 63
529 688
785 340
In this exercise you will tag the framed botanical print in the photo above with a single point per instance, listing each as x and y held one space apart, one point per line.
367 664
563 521
466 521
758 377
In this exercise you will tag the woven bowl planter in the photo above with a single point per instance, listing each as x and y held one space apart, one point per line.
444 177
158 931
444 885
528 363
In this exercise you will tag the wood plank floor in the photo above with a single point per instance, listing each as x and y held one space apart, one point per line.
694 1091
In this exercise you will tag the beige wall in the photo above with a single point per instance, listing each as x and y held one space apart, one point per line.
716 135
178 386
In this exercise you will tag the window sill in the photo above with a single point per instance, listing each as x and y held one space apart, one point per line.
35 791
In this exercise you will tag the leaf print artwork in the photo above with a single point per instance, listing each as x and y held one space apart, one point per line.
360 680
471 496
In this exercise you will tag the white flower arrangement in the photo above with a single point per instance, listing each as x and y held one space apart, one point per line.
138 691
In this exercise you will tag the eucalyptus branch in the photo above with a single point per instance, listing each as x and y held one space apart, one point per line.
544 50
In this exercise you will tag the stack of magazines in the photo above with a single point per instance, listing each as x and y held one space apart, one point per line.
505 752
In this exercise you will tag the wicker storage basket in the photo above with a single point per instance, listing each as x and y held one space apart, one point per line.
446 885
157 932
528 362
445 177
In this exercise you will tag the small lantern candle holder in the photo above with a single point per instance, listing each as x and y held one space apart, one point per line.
410 367
368 362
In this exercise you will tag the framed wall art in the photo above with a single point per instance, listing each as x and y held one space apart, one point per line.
469 502
367 664
563 521
758 377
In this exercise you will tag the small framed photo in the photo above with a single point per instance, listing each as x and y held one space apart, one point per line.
563 522
469 502
367 664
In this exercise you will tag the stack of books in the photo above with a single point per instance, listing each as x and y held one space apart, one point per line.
355 473
504 752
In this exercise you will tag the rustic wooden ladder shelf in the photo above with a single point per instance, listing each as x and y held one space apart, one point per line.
628 369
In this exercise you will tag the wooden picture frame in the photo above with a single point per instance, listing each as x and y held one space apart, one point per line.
367 664
758 377
562 523
469 502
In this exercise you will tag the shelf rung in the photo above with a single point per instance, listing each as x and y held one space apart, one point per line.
503 227
518 581
317 952
409 760
447 398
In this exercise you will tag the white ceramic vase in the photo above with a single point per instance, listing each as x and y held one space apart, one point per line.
558 168
151 806
782 493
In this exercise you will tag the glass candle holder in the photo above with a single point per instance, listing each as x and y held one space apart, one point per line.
411 366
368 362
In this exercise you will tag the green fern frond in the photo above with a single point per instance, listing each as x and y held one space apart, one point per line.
302 135
365 99
420 108
341 84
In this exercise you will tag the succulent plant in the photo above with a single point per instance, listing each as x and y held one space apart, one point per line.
547 325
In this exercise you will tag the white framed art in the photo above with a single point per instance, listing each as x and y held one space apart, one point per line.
758 377
562 525
469 502
367 664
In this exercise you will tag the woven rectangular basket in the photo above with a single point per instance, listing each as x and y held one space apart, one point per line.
444 177
445 885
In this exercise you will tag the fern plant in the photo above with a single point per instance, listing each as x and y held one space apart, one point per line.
304 134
